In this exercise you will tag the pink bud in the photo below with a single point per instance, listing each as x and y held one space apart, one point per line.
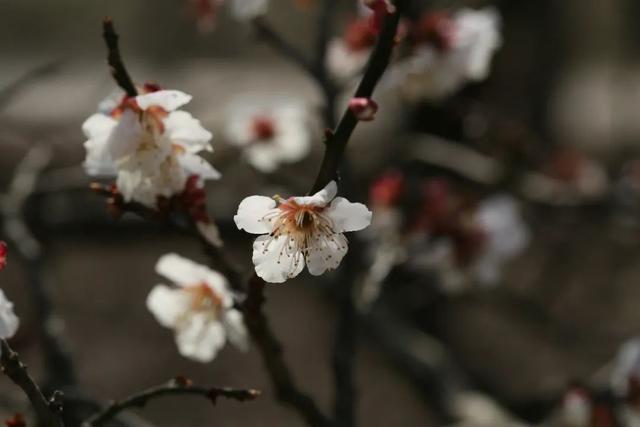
3 254
364 109
380 8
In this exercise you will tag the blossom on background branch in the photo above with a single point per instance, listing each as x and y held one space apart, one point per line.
175 387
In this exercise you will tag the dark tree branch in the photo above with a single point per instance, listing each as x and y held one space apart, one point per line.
8 92
172 388
12 367
58 361
271 351
271 37
337 142
118 70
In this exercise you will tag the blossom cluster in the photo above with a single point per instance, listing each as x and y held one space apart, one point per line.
148 144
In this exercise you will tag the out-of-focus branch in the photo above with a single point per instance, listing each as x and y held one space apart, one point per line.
8 92
118 70
172 388
288 51
58 362
271 351
480 168
337 141
46 409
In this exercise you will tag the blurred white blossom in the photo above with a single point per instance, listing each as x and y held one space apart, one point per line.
246 10
149 144
506 236
452 51
200 308
270 132
347 55
9 322
300 230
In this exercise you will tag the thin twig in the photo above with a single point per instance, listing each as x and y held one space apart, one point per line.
172 388
8 92
118 70
12 367
288 51
337 142
271 351
58 362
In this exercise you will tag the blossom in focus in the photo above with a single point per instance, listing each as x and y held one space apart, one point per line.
150 145
449 52
3 255
270 132
347 55
9 322
200 308
364 109
300 230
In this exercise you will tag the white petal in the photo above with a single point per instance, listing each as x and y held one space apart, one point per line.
180 270
347 216
274 263
322 197
187 132
9 322
98 125
293 142
167 99
196 165
326 254
210 233
236 330
245 10
200 338
126 135
265 158
251 213
168 305
98 161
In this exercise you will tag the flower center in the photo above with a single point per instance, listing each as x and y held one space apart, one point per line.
263 128
305 228
436 29
204 299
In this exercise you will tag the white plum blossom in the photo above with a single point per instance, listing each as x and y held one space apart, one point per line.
463 54
300 230
270 132
9 322
347 55
506 236
246 10
494 234
200 308
150 145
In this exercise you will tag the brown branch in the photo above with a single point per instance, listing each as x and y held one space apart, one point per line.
114 59
46 410
337 142
174 387
278 43
8 92
271 351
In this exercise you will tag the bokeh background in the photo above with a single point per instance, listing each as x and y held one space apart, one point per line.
566 76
